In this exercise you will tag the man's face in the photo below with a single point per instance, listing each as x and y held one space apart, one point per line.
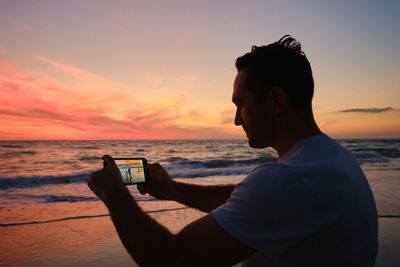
254 116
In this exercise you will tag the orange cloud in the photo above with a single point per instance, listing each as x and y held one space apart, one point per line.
84 105
364 124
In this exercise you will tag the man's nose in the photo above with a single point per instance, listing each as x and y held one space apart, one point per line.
238 118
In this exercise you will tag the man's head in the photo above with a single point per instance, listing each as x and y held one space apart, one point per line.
275 72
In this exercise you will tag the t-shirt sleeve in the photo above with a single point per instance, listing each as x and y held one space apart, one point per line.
270 211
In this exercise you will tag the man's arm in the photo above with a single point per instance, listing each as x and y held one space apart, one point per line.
201 243
204 198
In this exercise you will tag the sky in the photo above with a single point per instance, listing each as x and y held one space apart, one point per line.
85 70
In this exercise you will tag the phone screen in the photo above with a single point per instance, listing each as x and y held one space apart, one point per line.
133 170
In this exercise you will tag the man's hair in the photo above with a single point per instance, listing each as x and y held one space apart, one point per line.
280 64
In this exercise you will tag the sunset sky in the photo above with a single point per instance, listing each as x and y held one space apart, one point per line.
165 69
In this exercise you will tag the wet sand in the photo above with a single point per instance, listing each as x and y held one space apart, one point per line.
94 241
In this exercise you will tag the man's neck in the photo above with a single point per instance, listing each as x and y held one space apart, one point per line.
290 134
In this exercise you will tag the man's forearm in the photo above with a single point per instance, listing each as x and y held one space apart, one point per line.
204 198
140 234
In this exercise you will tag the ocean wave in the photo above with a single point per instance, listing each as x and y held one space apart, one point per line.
55 198
90 158
386 152
11 146
177 167
183 168
87 147
369 157
175 159
65 198
52 198
198 173
13 154
35 181
217 163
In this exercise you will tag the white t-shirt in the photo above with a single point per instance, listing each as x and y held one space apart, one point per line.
314 207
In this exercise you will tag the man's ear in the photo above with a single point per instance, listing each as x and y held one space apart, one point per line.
278 99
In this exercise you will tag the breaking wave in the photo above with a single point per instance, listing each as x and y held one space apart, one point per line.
177 168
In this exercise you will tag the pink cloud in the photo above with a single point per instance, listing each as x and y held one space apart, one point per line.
79 74
35 105
3 51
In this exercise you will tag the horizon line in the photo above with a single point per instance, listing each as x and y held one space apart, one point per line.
183 139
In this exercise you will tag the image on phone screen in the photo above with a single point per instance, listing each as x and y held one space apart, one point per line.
132 170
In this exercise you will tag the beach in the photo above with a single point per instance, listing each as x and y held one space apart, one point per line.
94 242
48 215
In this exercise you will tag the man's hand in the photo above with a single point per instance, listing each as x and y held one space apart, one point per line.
108 181
160 185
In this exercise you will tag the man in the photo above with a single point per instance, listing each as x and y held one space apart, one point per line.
313 207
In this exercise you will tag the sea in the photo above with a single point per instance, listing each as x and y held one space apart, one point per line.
44 182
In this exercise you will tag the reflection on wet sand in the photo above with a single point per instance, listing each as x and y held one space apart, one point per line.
91 241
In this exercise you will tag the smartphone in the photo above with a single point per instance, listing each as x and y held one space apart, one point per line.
133 170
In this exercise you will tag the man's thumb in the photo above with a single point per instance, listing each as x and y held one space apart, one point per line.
142 189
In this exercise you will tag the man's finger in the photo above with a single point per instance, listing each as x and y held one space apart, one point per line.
153 167
89 181
109 161
142 189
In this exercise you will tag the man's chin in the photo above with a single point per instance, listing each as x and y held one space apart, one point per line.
254 144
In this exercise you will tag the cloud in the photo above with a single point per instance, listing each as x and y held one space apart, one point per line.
84 100
368 110
38 114
80 74
3 51
227 117
84 105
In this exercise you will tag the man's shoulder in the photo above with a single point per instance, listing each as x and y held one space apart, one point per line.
271 175
269 167
315 148
318 153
